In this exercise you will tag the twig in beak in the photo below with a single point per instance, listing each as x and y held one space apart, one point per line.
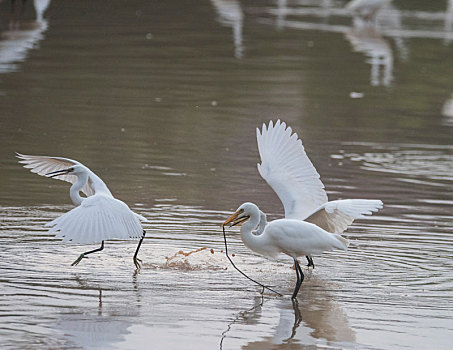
242 273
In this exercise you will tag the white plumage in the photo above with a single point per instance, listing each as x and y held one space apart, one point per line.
289 236
312 225
287 169
97 217
336 216
43 165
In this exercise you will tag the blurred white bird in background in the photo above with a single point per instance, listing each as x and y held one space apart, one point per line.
21 37
97 217
366 9
378 50
311 224
231 15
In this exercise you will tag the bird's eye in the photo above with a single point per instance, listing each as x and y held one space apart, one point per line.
71 170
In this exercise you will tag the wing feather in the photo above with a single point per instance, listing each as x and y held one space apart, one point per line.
98 218
43 165
336 216
289 172
141 218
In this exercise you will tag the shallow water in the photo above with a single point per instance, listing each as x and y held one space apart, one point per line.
161 100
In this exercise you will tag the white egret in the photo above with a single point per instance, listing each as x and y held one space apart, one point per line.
97 217
311 224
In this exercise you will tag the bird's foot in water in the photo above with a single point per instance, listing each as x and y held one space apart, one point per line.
79 259
310 262
137 262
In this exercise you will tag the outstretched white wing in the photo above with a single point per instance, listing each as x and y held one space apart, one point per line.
43 165
287 169
98 218
336 216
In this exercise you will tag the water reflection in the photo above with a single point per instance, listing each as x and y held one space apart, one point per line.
252 312
92 331
431 163
288 323
447 111
373 24
367 36
390 19
369 41
40 7
230 15
448 21
21 37
96 324
316 320
280 17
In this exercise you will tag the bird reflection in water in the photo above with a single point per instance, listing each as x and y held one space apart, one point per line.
288 323
314 320
21 36
377 29
448 22
282 6
447 112
379 53
88 329
366 37
83 285
253 314
230 15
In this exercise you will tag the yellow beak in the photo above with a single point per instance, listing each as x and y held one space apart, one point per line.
234 219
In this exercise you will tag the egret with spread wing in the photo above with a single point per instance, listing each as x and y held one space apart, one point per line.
311 224
98 216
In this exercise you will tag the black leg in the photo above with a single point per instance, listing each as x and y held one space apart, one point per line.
310 261
86 253
300 278
136 260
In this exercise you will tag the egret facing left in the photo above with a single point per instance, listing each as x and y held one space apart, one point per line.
98 216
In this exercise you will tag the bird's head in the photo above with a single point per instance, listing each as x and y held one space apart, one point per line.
242 214
76 169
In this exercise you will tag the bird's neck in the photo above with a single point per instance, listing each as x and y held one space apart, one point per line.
74 192
98 185
262 224
251 240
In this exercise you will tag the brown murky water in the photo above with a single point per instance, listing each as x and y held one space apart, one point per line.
161 99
